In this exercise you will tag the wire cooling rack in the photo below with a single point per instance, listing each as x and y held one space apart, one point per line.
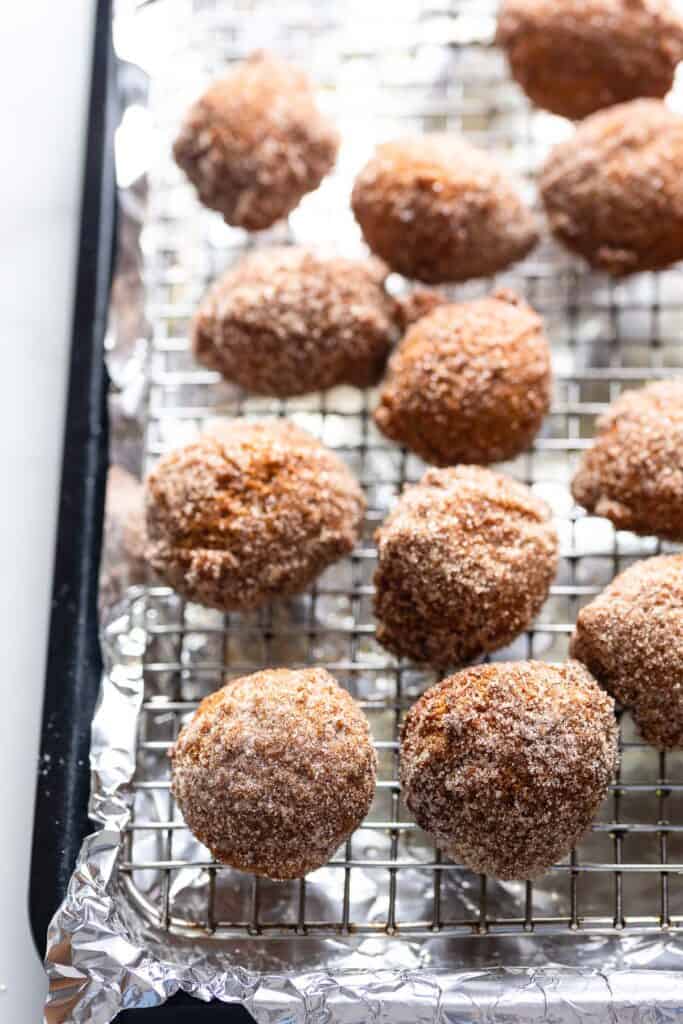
384 70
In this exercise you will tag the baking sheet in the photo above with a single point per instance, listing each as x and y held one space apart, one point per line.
390 931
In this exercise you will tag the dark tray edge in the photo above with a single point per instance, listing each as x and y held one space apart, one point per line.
74 662
73 656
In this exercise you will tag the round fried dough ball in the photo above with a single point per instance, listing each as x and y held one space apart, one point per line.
275 771
124 537
631 639
255 143
613 193
254 512
578 56
437 209
633 473
506 765
285 321
469 383
465 561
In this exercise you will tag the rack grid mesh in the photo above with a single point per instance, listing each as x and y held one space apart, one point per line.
385 72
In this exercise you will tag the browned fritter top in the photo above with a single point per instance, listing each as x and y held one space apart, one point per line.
437 209
286 321
578 56
465 562
274 771
255 142
254 512
507 764
633 473
631 638
469 383
614 192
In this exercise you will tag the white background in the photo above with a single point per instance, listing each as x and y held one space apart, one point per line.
44 71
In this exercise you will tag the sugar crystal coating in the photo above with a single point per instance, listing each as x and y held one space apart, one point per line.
286 321
469 383
613 192
275 771
254 512
507 764
633 473
631 639
578 56
465 562
255 142
435 208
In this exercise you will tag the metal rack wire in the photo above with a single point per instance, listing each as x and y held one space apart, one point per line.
431 68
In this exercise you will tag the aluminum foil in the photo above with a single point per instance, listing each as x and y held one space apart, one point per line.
131 933
103 958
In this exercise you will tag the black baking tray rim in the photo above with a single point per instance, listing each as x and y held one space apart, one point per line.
74 662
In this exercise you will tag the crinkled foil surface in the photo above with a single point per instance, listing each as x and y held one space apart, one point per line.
589 942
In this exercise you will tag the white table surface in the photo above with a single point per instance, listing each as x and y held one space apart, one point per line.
44 74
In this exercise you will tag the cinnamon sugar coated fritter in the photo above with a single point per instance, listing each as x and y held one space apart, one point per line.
578 56
254 512
633 473
124 536
631 639
436 208
275 771
465 562
255 142
613 192
285 321
506 765
469 383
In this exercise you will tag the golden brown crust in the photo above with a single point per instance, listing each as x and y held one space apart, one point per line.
465 562
255 513
435 208
613 193
469 383
633 473
286 321
275 771
578 56
418 302
507 764
631 639
255 142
